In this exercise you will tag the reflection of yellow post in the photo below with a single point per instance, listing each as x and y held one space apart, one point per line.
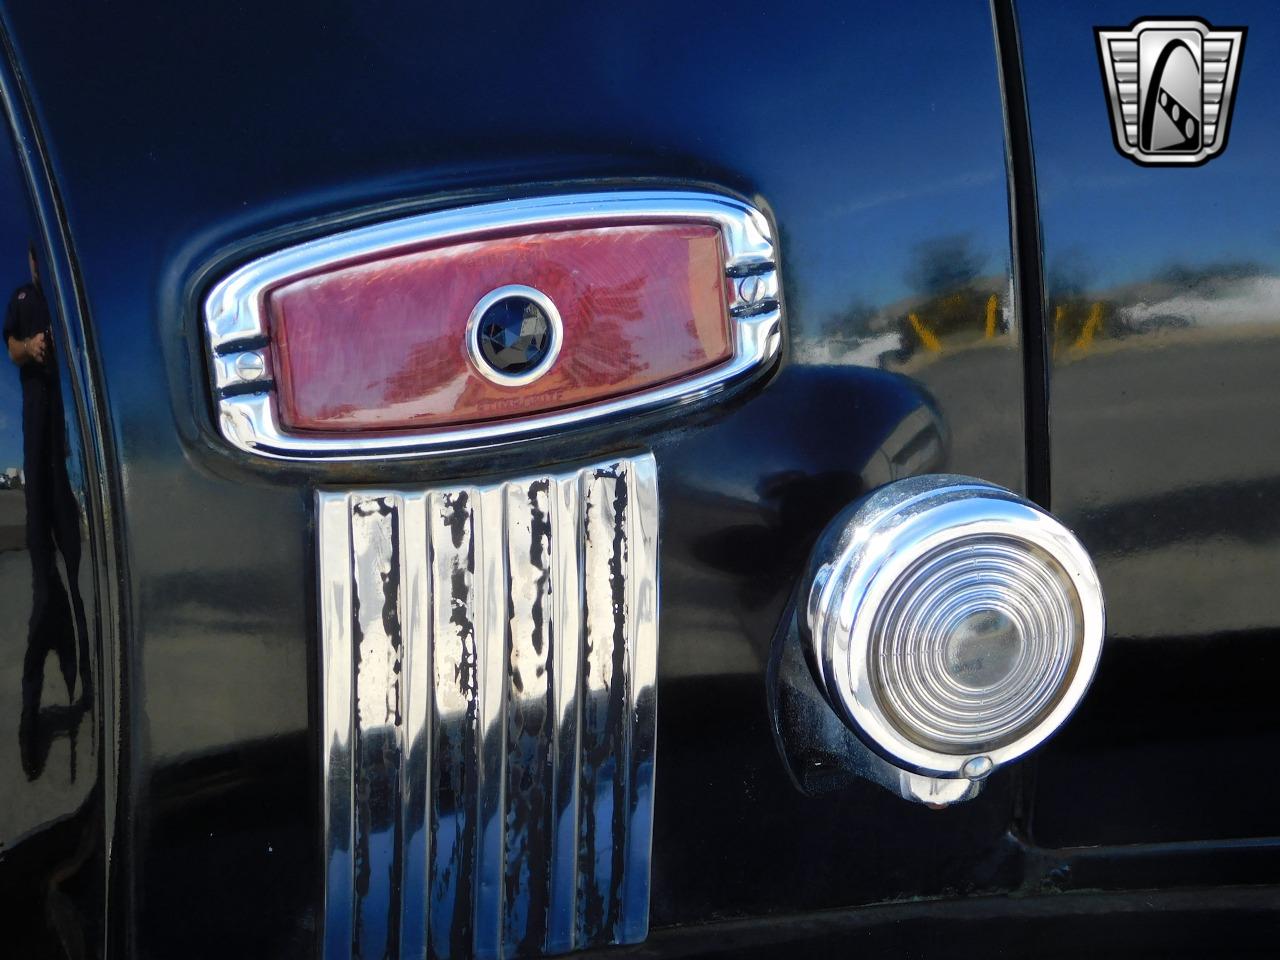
926 336
1059 313
992 303
1085 340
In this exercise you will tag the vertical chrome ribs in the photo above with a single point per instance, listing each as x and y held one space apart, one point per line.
488 664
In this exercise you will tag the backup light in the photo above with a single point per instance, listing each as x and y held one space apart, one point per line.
953 625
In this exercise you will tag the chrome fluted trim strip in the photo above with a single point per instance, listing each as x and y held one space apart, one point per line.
491 654
416 684
605 747
489 661
335 753
379 727
527 778
454 789
643 713
566 671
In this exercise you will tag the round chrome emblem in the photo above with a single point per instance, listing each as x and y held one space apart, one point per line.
514 335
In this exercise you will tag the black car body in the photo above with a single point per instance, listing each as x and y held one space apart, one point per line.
974 282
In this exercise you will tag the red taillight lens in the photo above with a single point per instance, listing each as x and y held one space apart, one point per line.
382 345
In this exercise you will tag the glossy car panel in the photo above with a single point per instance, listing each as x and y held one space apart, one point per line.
875 141
1161 314
53 758
231 137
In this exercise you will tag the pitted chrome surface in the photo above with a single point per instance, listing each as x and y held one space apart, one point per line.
489 658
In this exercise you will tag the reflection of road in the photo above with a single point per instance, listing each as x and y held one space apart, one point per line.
1166 457
1149 432
978 386
1170 410
54 794
13 520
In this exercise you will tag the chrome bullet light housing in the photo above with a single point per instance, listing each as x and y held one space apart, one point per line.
952 624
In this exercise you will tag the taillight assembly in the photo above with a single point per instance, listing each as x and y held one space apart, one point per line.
489 323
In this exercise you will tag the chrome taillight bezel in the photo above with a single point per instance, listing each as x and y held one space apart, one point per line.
235 323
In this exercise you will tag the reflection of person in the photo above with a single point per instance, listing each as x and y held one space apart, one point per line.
52 513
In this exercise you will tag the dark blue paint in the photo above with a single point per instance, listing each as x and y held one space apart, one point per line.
184 139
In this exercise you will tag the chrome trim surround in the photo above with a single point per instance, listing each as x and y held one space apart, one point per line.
234 316
473 335
489 662
872 551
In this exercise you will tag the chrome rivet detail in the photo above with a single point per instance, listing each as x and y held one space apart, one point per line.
751 289
975 768
250 367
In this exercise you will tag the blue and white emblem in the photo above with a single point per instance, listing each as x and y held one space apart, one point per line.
1170 84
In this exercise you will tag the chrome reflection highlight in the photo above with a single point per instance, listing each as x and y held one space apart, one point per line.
489 659
953 624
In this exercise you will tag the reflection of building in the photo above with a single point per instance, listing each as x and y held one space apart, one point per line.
864 352
916 326
12 479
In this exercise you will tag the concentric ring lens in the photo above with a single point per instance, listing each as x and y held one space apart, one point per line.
974 644
953 624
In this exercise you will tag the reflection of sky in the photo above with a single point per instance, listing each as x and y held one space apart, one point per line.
1113 222
15 230
912 150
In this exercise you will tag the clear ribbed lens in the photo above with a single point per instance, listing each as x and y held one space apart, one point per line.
975 644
